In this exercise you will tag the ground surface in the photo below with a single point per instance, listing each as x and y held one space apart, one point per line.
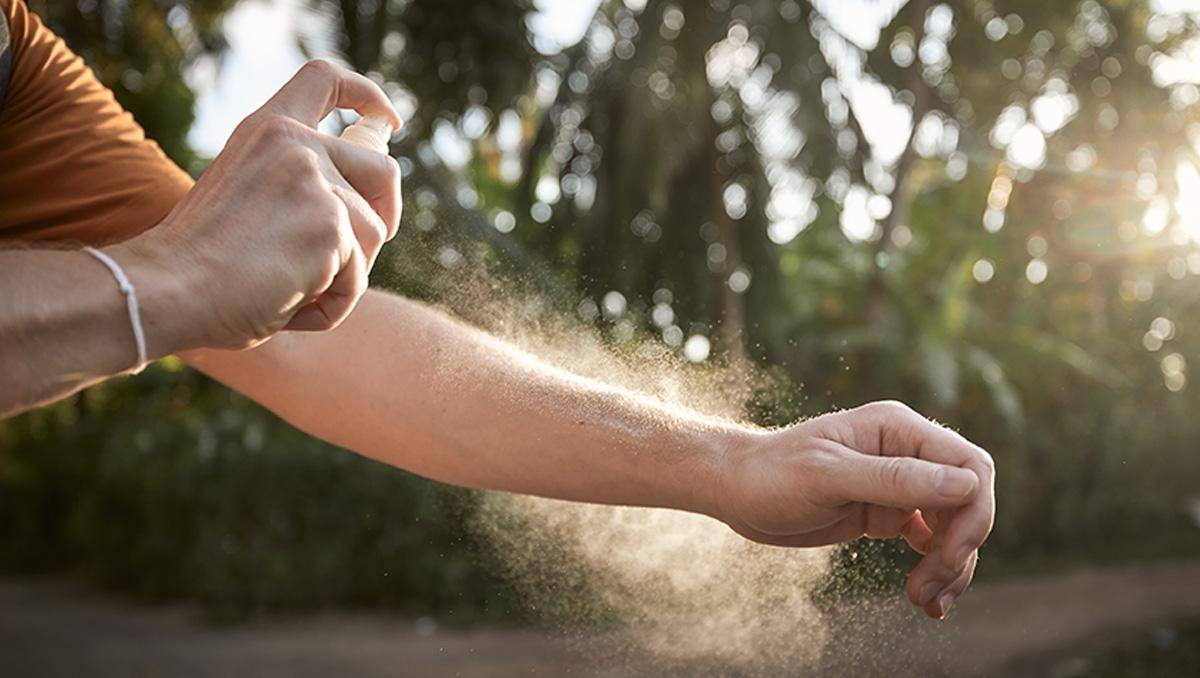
1027 627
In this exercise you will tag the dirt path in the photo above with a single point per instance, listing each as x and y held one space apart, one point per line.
1026 627
1034 626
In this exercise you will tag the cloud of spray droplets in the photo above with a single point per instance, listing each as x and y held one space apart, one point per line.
682 588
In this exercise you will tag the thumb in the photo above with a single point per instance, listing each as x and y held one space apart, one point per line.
903 482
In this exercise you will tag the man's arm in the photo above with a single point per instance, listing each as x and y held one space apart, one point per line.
280 231
65 325
405 384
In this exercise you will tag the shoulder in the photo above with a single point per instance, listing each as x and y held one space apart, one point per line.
74 165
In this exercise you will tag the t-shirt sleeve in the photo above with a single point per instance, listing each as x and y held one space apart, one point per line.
74 165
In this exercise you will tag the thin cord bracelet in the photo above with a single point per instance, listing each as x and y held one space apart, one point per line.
131 301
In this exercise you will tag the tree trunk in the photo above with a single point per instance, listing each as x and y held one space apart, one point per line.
731 329
901 194
731 333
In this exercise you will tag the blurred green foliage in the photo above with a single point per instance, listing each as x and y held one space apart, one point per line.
1167 652
169 487
142 49
1025 300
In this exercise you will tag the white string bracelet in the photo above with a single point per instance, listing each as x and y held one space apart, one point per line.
131 300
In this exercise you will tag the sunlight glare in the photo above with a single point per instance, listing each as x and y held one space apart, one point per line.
1187 204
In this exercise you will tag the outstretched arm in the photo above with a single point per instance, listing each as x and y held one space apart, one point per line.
405 384
408 385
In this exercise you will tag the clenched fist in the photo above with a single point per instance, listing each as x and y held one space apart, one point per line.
282 230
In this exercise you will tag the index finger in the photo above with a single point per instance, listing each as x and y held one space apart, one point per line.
373 175
903 432
321 86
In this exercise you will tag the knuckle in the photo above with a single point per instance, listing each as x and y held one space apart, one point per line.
391 171
272 129
325 216
379 235
321 68
327 238
891 472
988 462
296 158
325 273
384 173
893 408
880 409
330 267
249 124
303 163
372 238
331 213
334 210
821 458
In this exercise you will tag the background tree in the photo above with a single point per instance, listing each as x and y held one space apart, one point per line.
142 49
984 208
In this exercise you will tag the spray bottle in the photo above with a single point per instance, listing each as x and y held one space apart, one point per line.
371 132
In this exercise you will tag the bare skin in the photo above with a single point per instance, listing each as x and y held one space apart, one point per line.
314 210
405 384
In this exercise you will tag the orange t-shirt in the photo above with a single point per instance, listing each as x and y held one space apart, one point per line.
74 165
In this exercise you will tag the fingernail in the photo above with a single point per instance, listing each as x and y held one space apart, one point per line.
945 603
954 484
927 592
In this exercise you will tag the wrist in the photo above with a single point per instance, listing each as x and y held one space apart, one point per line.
715 465
166 295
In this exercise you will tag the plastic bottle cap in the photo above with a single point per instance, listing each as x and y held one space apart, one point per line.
370 132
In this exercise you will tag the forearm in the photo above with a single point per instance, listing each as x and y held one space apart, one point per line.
64 323
405 384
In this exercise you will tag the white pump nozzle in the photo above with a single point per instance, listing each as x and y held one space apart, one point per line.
370 132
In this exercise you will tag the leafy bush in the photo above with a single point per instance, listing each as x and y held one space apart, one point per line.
170 486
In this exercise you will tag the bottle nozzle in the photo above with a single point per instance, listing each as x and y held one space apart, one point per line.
371 132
